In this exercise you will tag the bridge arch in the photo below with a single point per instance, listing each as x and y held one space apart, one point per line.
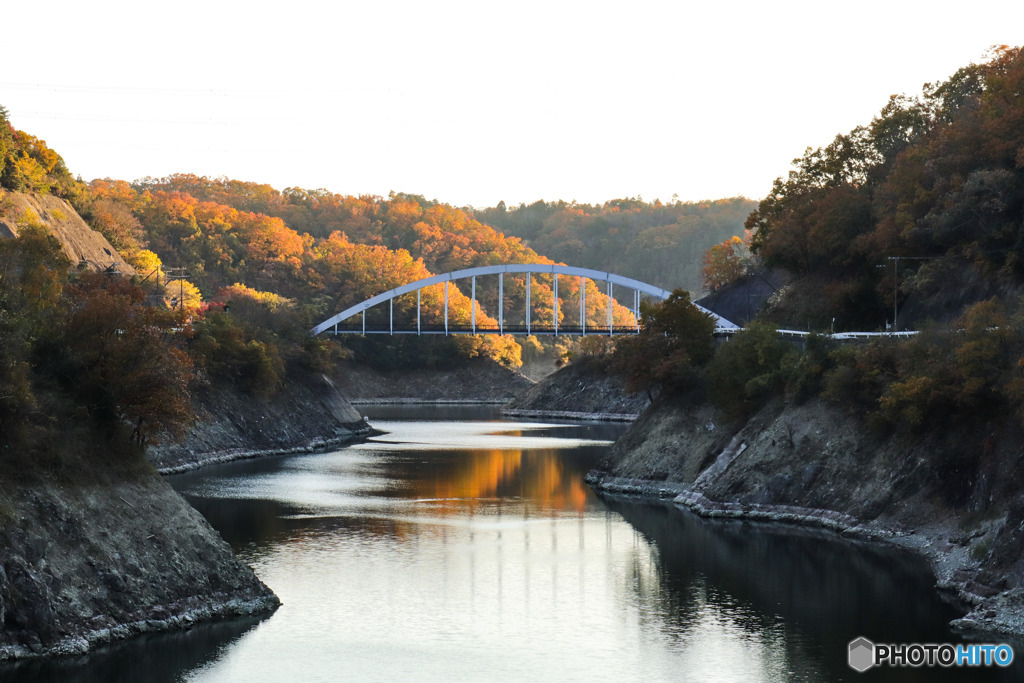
516 268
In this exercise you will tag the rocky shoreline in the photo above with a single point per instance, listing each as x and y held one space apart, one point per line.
86 564
988 612
478 381
413 401
811 466
584 390
570 415
74 575
307 415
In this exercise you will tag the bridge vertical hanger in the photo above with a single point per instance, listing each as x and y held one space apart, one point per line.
501 303
364 321
391 316
472 304
583 307
609 302
529 277
636 309
446 308
554 305
418 311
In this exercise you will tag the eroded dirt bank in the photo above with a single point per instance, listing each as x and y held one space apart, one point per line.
815 465
85 564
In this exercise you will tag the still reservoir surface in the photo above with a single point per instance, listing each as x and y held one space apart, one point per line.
462 547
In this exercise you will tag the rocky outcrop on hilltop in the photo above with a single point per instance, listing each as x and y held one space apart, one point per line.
814 464
87 564
83 246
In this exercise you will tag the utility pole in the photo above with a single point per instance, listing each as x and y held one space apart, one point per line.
181 273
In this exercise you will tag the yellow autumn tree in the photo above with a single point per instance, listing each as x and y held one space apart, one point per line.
181 293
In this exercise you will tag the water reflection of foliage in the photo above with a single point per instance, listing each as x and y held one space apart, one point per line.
538 477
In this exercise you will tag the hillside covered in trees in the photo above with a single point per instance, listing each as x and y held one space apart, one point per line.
914 438
224 233
935 181
663 244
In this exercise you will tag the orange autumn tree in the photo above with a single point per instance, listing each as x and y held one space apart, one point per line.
206 227
724 263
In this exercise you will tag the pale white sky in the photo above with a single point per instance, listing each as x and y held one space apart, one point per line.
472 102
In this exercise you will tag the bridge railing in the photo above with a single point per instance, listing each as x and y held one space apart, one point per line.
538 330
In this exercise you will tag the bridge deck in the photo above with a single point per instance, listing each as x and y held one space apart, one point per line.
540 330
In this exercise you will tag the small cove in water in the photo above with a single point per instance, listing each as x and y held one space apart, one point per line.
461 547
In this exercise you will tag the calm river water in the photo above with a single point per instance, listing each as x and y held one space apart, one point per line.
461 547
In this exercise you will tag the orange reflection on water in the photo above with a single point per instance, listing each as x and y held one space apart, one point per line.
537 477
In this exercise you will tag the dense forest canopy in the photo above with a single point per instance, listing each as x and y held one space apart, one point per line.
662 244
360 246
936 181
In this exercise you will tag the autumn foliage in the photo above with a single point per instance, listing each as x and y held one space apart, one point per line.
937 180
673 346
655 242
28 165
328 252
724 263
82 356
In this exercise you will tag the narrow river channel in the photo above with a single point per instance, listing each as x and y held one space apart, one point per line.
459 547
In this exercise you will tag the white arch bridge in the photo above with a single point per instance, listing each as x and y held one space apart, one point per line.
347 321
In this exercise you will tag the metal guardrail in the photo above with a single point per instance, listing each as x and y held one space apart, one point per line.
800 334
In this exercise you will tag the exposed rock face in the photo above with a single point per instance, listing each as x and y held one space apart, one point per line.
304 416
74 573
581 390
81 244
478 381
814 464
741 301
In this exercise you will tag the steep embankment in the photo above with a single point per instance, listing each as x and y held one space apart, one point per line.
83 564
582 390
814 464
304 416
477 381
81 244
